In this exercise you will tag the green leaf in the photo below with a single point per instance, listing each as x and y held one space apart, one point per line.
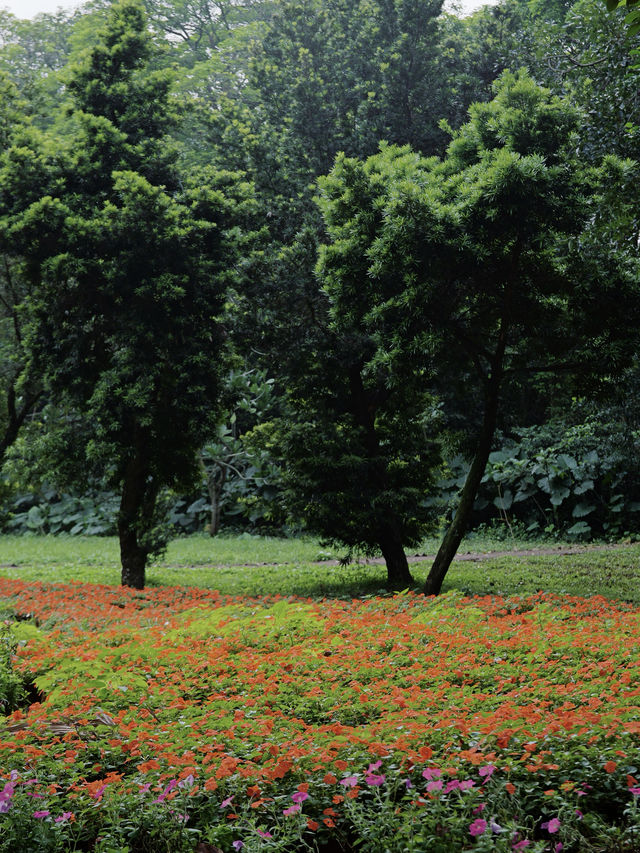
581 510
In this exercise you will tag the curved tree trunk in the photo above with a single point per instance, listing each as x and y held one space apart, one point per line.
451 542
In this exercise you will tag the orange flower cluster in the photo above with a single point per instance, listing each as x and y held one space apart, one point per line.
185 684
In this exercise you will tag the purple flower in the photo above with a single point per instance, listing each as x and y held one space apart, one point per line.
171 784
237 844
349 781
43 813
408 784
64 816
478 827
5 805
495 827
299 796
375 779
187 782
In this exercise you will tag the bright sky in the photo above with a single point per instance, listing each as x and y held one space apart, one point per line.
29 8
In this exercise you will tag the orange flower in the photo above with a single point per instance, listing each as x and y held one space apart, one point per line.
610 766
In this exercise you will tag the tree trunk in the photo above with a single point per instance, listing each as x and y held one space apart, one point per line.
15 418
215 480
458 527
398 574
136 504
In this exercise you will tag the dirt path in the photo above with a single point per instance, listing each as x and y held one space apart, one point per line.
471 556
476 557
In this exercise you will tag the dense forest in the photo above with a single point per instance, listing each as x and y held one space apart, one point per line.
363 268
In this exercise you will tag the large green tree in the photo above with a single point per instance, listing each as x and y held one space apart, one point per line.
128 263
490 260
20 388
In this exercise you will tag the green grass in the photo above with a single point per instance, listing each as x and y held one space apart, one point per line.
251 565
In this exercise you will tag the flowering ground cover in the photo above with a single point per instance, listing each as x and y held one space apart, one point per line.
179 719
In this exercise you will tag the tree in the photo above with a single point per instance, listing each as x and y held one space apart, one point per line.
356 437
129 263
491 258
20 389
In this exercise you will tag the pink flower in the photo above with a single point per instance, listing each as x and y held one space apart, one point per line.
431 773
521 845
488 770
263 834
373 767
374 779
552 825
479 809
452 785
299 796
478 827
41 814
292 810
226 803
64 816
435 785
635 792
466 784
349 781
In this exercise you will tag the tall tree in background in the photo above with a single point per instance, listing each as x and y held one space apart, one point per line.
490 259
20 388
129 265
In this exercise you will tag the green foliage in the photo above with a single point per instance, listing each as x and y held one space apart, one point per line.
481 266
12 689
129 262
575 480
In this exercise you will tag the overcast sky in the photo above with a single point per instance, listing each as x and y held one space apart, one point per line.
29 8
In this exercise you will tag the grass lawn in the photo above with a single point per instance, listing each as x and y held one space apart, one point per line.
257 565
254 699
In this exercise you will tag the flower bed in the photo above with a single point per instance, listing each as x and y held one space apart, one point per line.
175 717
